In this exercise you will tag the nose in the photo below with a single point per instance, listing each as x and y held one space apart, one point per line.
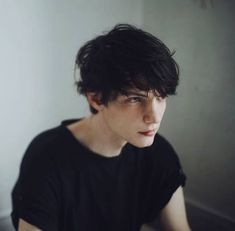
154 111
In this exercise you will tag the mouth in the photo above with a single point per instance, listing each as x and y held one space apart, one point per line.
148 133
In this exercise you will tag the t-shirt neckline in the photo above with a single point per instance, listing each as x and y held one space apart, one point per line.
89 152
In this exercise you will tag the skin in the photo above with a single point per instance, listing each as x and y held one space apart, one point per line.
173 216
117 123
25 226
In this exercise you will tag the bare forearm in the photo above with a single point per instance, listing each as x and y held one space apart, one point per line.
25 226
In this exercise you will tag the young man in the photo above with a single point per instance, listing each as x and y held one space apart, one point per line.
111 170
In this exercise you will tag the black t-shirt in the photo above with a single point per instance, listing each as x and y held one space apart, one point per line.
64 186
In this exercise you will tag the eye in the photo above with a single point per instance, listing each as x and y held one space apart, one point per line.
160 98
134 99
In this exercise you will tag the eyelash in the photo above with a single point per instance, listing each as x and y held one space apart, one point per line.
141 100
135 100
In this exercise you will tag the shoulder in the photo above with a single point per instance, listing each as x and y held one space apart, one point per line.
46 139
54 148
52 140
42 148
161 155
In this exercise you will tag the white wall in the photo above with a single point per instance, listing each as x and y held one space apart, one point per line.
200 121
38 43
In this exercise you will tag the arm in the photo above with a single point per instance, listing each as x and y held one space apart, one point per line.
25 226
173 216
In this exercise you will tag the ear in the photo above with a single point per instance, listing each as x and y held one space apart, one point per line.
93 99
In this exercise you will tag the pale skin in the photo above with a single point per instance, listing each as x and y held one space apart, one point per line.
121 121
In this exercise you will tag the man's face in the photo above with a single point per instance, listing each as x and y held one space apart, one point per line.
135 118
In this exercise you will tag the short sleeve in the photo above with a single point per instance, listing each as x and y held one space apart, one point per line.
35 196
167 177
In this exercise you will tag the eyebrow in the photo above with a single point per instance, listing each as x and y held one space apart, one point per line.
137 94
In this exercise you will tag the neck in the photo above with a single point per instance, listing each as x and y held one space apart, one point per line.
95 134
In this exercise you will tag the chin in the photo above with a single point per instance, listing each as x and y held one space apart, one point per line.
143 144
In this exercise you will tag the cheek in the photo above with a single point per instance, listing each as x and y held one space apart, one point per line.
122 116
164 109
114 118
122 121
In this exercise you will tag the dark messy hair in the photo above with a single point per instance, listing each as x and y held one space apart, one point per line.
123 58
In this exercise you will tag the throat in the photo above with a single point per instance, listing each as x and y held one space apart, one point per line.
95 136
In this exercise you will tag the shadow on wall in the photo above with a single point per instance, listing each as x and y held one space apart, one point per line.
205 3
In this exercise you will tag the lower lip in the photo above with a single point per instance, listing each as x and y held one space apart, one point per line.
150 133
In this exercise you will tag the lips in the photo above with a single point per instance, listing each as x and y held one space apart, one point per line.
148 133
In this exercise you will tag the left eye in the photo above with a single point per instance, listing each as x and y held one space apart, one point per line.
134 99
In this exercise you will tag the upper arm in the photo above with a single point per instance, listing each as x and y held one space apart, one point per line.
25 226
173 216
36 194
